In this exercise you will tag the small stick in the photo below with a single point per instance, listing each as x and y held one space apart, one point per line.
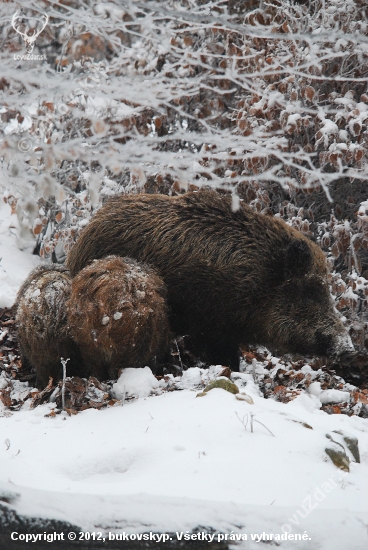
252 420
265 427
177 348
254 362
242 421
63 362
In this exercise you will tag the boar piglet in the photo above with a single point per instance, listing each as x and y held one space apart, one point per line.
117 314
43 332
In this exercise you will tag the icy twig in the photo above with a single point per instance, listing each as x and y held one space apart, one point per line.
242 420
261 423
252 420
177 349
63 362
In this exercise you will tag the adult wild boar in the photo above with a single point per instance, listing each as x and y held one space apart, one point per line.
233 277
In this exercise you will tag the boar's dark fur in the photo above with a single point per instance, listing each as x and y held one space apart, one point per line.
43 332
117 314
233 277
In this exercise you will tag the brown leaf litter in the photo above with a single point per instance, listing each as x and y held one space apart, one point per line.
282 379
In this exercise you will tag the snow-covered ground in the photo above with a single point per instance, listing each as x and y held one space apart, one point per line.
14 264
170 461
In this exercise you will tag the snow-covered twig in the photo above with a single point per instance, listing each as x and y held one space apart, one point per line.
261 423
177 349
242 420
252 420
63 362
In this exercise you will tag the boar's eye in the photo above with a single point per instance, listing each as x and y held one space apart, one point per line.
305 292
298 259
316 291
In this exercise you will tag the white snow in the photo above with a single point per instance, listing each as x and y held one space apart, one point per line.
179 460
292 119
334 396
99 103
14 263
168 461
135 382
14 126
328 396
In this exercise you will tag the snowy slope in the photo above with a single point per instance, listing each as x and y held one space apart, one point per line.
188 461
172 461
14 264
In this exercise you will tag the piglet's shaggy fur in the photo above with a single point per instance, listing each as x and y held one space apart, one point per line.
43 332
118 315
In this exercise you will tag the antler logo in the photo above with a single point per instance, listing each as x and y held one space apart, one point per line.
29 40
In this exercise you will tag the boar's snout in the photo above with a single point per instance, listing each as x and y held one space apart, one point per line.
342 346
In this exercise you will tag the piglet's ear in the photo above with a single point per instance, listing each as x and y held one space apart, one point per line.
298 259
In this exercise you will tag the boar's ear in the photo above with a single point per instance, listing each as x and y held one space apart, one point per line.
298 259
